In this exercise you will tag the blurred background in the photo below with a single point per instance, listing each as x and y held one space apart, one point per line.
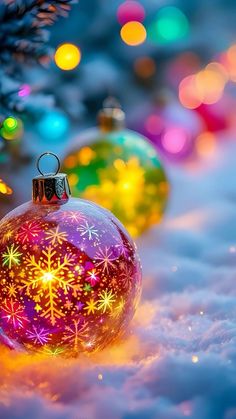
171 65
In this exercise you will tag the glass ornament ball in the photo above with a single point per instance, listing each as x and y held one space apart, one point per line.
70 276
121 171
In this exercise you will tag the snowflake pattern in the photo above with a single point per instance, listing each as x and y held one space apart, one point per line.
39 336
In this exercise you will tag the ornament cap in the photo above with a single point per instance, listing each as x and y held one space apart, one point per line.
111 117
51 188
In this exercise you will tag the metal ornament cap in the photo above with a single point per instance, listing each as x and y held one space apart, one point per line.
111 117
51 188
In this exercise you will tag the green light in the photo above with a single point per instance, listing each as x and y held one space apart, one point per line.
10 124
170 25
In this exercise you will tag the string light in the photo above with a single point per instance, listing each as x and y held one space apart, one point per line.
195 359
67 56
175 140
24 90
12 128
53 125
169 25
145 67
4 188
129 11
205 144
133 33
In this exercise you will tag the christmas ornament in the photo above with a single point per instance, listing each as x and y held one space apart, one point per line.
70 276
120 170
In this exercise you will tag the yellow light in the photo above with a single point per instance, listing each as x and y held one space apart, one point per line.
133 33
100 377
47 277
195 359
4 188
67 56
73 179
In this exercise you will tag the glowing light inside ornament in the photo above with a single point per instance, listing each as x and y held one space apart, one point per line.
53 126
175 140
170 25
67 56
133 33
129 11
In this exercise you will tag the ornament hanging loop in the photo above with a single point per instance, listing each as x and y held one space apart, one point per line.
49 153
50 188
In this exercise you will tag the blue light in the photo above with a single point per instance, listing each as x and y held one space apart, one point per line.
54 125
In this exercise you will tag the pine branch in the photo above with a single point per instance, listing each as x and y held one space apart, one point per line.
23 39
22 35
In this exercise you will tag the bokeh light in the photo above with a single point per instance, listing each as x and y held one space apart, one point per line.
53 126
144 67
67 56
228 59
175 140
188 94
205 144
24 90
205 87
154 124
4 188
12 128
133 33
210 83
170 24
130 11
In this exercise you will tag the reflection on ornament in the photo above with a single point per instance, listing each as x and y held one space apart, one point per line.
53 126
67 56
120 170
70 276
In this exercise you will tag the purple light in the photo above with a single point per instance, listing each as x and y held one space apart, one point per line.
24 90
